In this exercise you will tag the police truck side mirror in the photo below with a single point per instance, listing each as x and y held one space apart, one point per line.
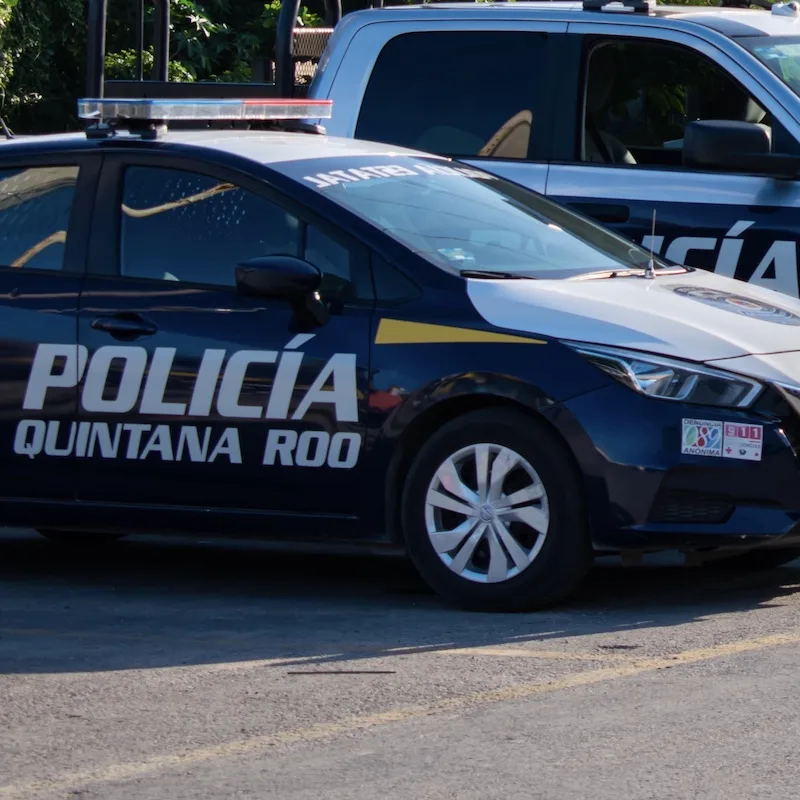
285 278
736 147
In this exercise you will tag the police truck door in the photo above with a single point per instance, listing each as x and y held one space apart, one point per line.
625 102
194 394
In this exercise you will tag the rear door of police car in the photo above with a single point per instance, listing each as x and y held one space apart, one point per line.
45 209
194 395
626 94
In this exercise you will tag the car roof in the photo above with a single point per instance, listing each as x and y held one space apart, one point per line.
263 147
732 22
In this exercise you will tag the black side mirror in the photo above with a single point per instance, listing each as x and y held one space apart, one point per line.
285 278
735 146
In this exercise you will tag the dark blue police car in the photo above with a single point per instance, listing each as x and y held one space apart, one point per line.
315 339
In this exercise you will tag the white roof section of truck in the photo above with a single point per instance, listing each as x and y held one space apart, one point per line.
762 21
759 21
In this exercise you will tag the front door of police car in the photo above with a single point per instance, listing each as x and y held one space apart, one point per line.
195 395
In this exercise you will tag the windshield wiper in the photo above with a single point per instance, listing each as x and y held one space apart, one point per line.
489 275
637 272
607 273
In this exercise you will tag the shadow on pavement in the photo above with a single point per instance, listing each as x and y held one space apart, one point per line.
149 603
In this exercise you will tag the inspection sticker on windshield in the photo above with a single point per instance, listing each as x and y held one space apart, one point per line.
743 441
701 437
457 255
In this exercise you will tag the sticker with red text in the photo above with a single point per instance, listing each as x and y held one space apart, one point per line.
743 441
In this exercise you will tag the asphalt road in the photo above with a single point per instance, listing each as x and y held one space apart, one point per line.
166 669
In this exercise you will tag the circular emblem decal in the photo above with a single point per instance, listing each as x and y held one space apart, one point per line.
736 304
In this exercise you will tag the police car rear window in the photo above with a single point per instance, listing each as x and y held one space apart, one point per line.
35 205
461 218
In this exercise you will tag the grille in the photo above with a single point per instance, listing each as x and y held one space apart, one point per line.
688 507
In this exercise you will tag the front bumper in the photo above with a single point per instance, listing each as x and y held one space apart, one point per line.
644 493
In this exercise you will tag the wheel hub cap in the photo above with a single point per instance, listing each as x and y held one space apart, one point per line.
487 513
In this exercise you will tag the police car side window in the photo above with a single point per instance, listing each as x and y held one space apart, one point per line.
183 226
391 285
35 204
639 95
332 259
479 112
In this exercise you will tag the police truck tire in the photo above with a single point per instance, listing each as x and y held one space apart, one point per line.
493 514
80 539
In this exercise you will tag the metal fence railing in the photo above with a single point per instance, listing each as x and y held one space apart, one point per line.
297 52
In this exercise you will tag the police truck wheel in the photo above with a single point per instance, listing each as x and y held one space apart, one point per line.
493 516
79 538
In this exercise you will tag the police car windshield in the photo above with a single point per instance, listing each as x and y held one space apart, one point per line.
780 53
464 219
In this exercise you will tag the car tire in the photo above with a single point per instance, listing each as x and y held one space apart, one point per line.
512 565
757 560
79 538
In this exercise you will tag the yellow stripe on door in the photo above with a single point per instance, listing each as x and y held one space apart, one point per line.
397 331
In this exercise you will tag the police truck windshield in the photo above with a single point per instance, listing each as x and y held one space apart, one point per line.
780 53
464 219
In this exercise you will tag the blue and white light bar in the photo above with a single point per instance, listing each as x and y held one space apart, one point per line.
187 109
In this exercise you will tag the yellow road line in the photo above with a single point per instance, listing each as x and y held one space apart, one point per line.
325 730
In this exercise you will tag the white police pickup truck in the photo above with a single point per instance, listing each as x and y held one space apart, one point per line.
617 110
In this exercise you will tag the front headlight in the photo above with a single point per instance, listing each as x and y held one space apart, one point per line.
669 379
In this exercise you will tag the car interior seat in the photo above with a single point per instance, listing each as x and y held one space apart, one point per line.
598 145
511 139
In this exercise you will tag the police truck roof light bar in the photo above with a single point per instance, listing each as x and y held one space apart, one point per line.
160 111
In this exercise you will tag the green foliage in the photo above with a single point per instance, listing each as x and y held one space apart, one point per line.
269 20
43 50
41 69
6 55
122 66
219 40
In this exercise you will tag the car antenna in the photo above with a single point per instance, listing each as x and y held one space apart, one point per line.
650 269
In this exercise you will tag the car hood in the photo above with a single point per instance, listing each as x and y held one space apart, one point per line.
694 315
